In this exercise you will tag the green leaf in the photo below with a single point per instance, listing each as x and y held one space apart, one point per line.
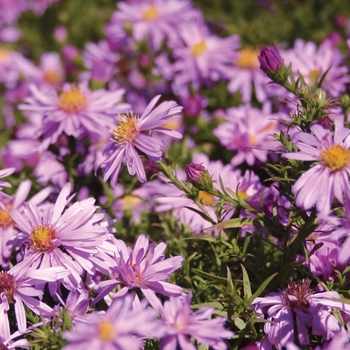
235 223
260 289
239 323
246 284
209 276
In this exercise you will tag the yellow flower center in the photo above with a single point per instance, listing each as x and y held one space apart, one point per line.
106 331
172 125
130 202
127 130
313 76
52 77
206 198
72 101
199 49
4 54
41 238
151 14
336 157
243 195
248 59
5 217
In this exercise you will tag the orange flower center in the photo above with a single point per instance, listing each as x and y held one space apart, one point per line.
336 157
53 77
206 198
5 217
130 201
313 76
199 49
248 59
4 54
41 238
127 130
72 101
106 331
151 14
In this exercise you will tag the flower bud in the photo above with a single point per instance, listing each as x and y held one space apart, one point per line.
199 177
270 59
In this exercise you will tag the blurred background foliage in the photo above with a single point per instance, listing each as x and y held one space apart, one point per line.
258 22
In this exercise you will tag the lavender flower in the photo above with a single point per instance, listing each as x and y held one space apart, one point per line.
179 323
198 175
75 111
143 267
17 288
133 132
57 238
121 328
309 310
331 172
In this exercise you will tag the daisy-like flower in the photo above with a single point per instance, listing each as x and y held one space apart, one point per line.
312 62
143 267
153 20
17 287
179 323
249 131
298 303
133 132
67 238
75 111
330 173
120 328
203 58
246 76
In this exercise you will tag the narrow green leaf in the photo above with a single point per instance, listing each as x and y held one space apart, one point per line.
246 284
235 223
209 276
260 289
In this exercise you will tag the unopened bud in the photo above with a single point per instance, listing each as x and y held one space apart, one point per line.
270 59
199 177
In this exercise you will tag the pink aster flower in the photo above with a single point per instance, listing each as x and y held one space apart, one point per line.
298 303
122 327
59 237
17 287
145 267
75 111
331 172
179 324
203 58
134 132
248 131
153 20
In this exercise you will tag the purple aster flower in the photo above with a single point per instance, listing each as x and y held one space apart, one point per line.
122 327
179 324
8 231
248 131
312 63
143 267
204 57
331 172
133 132
17 287
9 342
100 60
245 74
75 111
153 20
298 303
58 237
